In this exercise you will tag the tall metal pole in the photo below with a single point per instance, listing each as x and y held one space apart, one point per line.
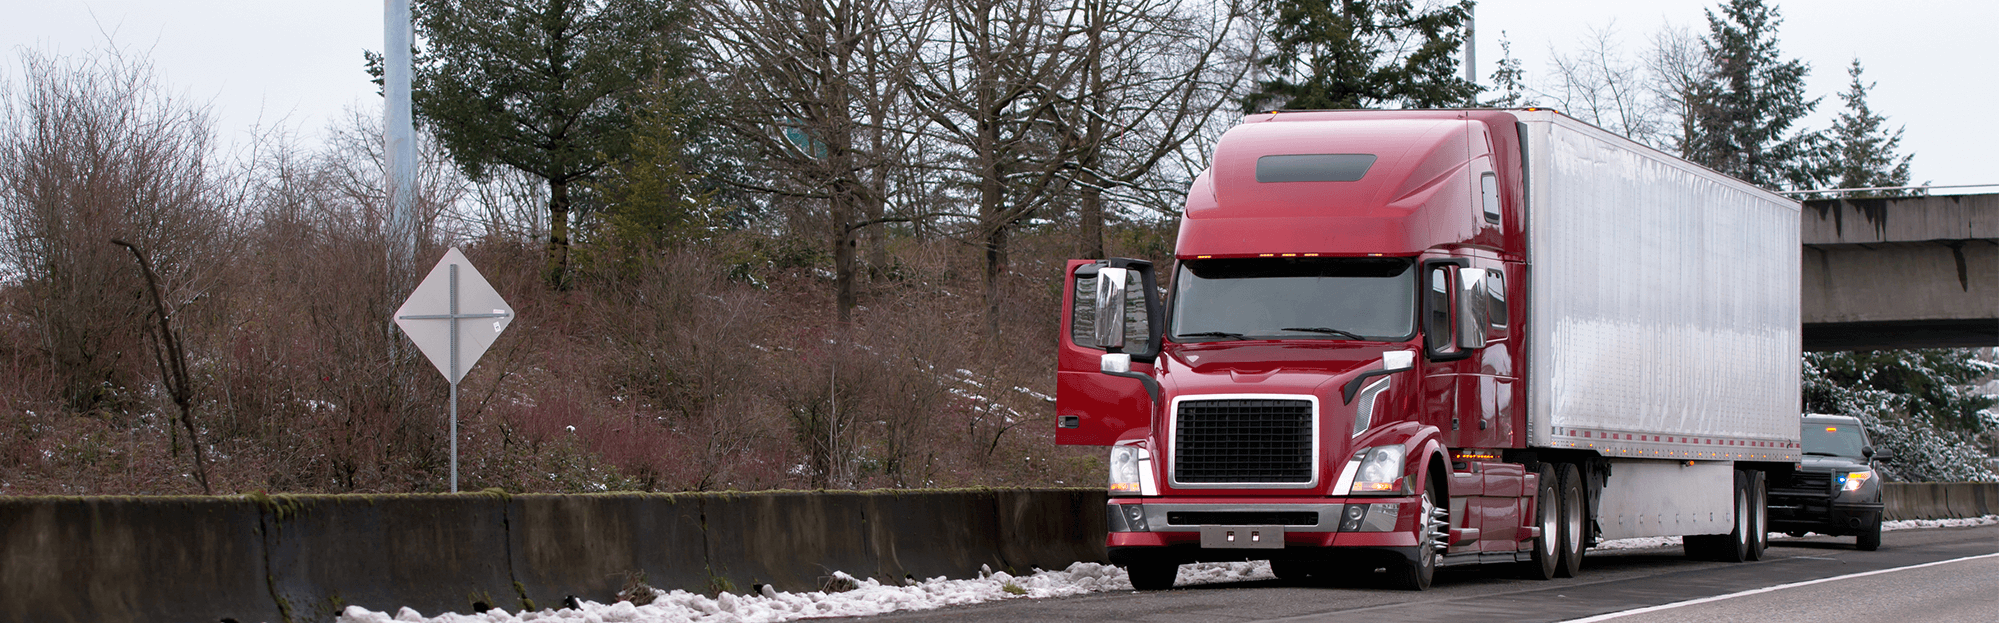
454 378
399 133
1471 46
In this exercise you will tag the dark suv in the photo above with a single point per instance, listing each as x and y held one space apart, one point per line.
1835 489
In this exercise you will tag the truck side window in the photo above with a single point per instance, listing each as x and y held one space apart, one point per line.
1488 189
1495 289
1437 323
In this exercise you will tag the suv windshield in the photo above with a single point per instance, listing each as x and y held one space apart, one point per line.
1834 439
1319 298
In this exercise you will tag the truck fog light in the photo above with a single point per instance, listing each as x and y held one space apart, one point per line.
1370 517
1128 518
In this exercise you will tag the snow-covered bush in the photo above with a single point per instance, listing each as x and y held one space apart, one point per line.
1920 404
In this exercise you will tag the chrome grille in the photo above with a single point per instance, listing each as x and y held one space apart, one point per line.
1247 441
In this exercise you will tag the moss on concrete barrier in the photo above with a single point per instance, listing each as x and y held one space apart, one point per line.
304 558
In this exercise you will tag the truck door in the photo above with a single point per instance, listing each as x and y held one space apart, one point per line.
1093 408
1445 357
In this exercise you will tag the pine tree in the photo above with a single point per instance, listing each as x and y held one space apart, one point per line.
547 87
1859 151
1744 110
1363 54
1508 79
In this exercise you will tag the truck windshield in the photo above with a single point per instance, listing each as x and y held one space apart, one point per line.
1312 298
1833 439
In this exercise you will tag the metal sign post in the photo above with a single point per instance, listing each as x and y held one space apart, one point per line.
448 342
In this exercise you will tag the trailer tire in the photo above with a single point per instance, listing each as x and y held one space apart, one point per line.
1153 576
1731 547
1573 528
1759 514
1547 552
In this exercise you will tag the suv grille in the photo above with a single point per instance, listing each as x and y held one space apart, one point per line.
1811 484
1243 442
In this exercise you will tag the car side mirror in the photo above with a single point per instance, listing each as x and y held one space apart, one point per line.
1878 454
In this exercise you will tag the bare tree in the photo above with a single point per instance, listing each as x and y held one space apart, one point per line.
93 149
1600 84
1677 64
990 84
1154 72
816 86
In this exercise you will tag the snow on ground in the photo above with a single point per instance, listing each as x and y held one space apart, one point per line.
872 597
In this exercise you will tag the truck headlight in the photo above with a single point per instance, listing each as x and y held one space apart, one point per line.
1380 470
1131 471
1852 481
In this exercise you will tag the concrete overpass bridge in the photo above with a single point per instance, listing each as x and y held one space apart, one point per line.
1912 272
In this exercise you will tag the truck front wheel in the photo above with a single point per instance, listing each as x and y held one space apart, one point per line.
1432 525
1152 576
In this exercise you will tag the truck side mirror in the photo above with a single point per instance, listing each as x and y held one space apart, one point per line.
1110 307
1116 308
1474 311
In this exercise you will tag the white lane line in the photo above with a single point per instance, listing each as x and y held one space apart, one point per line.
1779 587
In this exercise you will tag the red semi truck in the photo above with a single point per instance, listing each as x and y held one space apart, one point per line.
1409 339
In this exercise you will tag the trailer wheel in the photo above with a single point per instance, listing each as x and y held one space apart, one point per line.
1572 528
1759 514
1153 576
1547 553
1731 547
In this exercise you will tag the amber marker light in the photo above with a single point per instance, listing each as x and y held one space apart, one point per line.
1374 486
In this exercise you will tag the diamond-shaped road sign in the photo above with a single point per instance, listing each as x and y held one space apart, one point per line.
454 316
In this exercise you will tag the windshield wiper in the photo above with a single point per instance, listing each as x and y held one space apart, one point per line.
1220 334
1326 330
1814 453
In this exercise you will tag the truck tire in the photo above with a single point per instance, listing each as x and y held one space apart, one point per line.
1296 571
1547 553
1415 575
1153 576
1759 514
1573 530
1869 537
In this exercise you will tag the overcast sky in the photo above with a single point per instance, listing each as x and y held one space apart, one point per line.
298 64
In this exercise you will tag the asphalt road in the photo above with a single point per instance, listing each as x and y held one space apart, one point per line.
1612 583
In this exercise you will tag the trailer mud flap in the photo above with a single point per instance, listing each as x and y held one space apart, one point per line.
1242 537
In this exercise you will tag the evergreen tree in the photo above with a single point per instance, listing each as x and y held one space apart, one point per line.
1744 109
1918 403
1508 79
1362 54
547 87
1859 151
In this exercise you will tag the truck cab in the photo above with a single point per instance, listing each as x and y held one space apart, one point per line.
1363 358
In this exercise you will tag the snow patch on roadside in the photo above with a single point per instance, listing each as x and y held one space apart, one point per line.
872 597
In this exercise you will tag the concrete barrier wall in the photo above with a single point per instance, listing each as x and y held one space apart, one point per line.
304 558
1940 500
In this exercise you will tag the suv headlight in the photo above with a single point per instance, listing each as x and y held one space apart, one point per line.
1380 470
1131 471
1853 481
